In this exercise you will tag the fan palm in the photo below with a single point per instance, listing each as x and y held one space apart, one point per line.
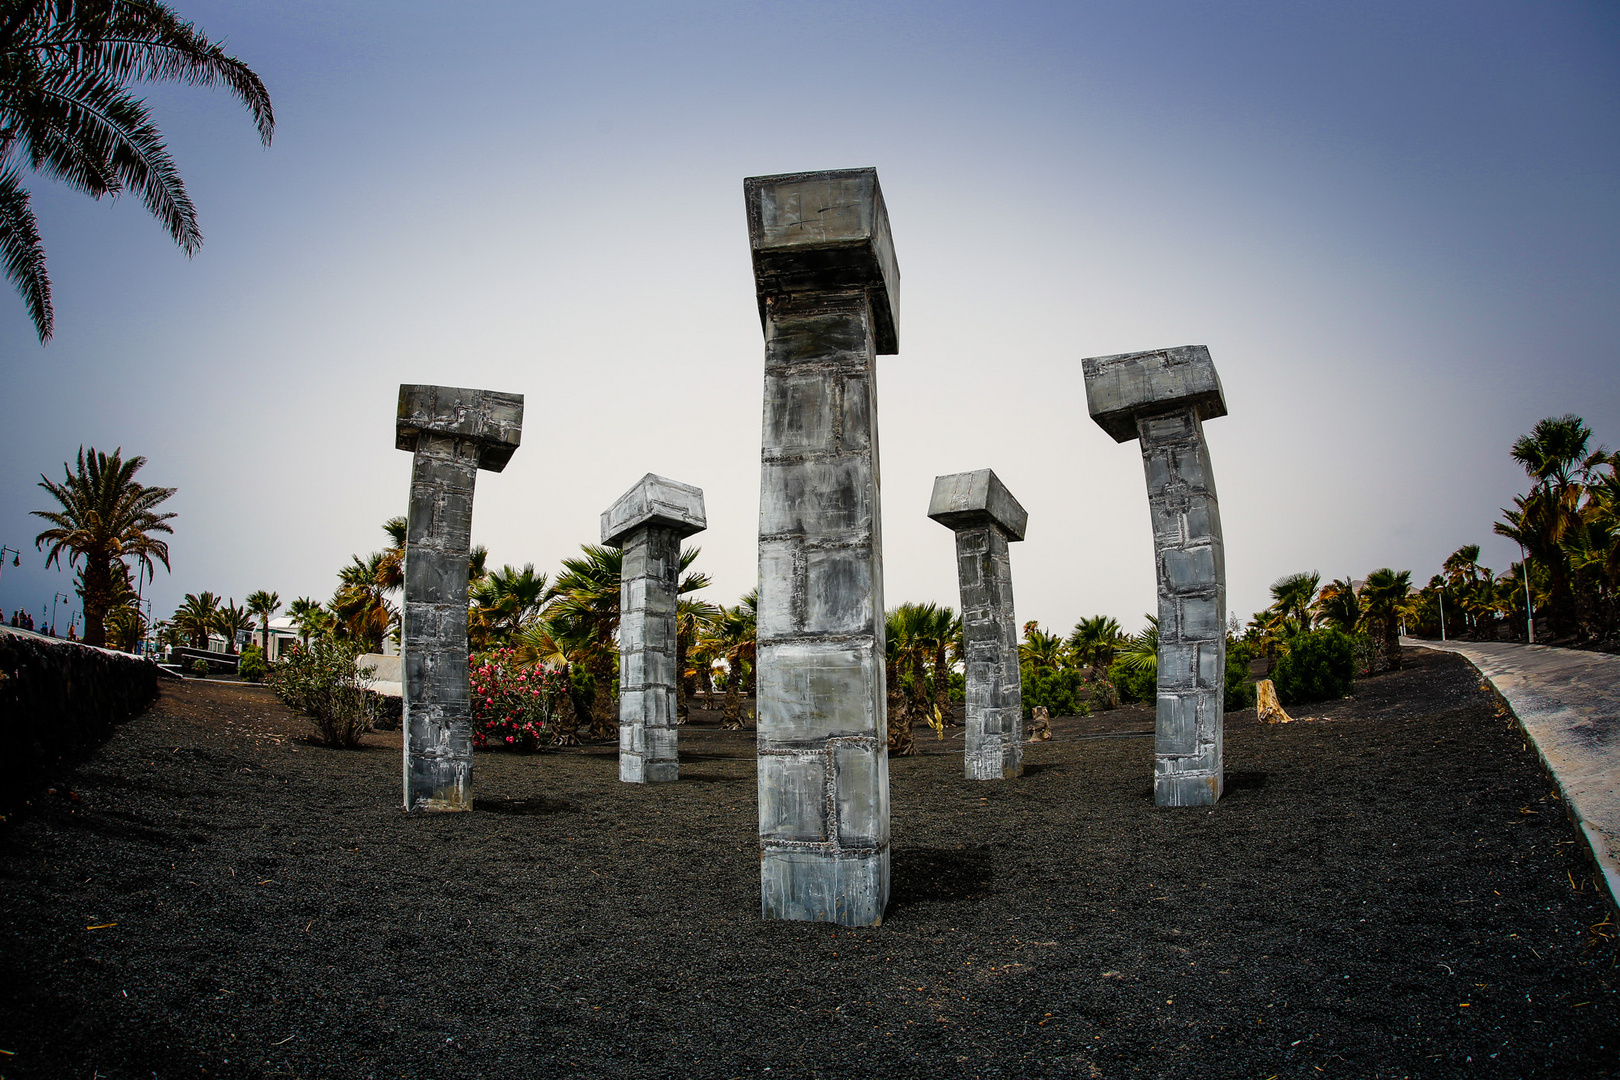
1140 652
263 605
737 632
1095 641
106 517
1040 649
66 112
1293 595
1385 598
503 602
1338 606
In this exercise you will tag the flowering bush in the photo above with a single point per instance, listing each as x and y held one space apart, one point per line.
512 707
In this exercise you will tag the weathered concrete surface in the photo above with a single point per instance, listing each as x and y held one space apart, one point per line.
453 433
827 285
648 522
1161 398
1568 703
985 517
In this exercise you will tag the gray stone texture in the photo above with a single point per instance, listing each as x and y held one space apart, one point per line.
985 518
1164 396
453 433
827 284
648 522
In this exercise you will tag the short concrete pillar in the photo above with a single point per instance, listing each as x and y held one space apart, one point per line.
828 291
453 433
648 522
1162 398
986 518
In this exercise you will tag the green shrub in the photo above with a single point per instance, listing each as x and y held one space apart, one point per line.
199 667
1239 690
1133 684
251 665
322 680
1064 691
1319 665
512 707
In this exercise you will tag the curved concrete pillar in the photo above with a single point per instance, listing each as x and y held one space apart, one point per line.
1162 398
986 518
827 286
649 522
453 433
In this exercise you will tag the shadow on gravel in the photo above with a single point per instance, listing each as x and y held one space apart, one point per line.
938 875
1245 781
1048 766
524 807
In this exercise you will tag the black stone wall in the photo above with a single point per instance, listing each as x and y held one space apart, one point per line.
61 699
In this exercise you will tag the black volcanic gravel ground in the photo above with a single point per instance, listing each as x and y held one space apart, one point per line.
1388 892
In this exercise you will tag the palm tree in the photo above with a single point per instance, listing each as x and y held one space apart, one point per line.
1385 598
1554 455
1095 641
391 567
363 613
66 112
195 617
1338 606
305 614
737 632
1040 649
230 620
106 517
263 605
1140 652
693 618
1293 595
503 602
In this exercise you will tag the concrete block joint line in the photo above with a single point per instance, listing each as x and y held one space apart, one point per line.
1161 398
828 291
985 517
452 433
649 522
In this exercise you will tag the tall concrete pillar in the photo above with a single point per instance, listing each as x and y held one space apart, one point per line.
648 522
828 292
986 518
453 433
1162 398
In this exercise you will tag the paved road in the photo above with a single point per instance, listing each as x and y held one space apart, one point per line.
1569 703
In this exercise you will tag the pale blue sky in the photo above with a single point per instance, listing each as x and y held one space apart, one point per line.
1394 225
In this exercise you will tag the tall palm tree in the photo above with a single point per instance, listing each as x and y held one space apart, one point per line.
66 112
1140 652
106 517
195 617
1040 649
1555 457
263 605
391 567
1385 598
363 613
693 619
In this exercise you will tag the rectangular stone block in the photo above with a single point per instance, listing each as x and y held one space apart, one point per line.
838 592
793 796
862 793
658 502
965 499
831 500
1122 388
848 889
808 693
825 232
490 419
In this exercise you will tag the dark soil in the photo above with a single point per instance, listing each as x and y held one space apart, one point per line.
1389 891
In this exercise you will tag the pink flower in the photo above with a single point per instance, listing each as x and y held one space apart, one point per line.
509 738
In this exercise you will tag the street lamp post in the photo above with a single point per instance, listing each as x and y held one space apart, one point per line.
1529 613
1441 595
55 599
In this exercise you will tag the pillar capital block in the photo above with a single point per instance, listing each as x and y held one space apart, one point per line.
489 418
962 500
654 500
819 232
1124 387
